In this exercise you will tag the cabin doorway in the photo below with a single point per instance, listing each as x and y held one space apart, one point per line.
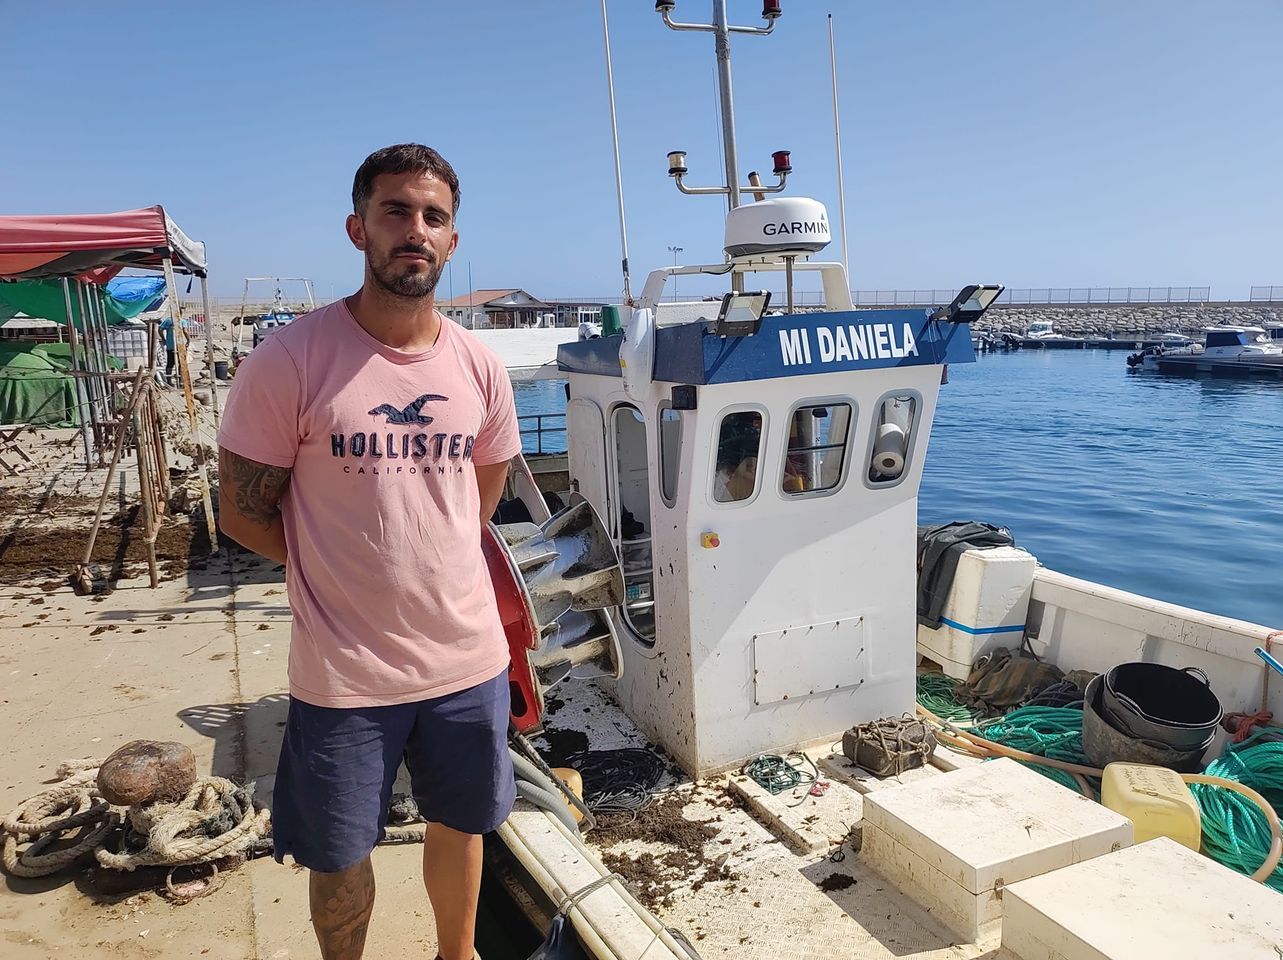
633 528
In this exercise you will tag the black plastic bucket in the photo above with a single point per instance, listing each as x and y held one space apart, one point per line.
1163 704
220 369
1103 744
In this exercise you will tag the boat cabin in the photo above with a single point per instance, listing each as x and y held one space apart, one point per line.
1225 341
759 475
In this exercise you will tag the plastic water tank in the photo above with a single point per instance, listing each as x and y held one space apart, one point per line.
1156 800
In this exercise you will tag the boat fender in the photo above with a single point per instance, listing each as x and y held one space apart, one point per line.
637 354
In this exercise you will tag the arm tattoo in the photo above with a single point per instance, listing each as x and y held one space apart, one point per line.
254 488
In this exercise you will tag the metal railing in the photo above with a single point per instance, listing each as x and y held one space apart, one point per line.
1266 294
1105 295
539 430
902 298
1017 296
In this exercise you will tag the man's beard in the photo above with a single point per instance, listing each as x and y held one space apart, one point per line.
411 284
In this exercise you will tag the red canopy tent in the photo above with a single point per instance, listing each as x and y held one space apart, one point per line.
95 246
92 248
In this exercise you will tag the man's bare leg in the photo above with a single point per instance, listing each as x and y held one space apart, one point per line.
341 906
452 875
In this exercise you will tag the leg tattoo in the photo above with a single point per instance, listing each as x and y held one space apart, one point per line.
341 906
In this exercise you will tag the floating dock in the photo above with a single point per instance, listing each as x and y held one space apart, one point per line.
1085 343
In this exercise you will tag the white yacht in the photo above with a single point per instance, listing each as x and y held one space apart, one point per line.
1247 344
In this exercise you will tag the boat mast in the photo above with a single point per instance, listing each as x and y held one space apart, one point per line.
721 29
837 144
619 176
722 43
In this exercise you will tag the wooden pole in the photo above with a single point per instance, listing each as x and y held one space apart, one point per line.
142 430
209 350
81 388
83 579
180 345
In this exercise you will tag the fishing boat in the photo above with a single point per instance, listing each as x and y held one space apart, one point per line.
736 589
739 730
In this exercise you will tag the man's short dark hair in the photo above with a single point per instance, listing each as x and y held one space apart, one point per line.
402 158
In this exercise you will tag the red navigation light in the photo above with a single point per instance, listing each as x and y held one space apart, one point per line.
782 165
771 9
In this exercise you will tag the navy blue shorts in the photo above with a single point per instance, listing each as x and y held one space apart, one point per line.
337 767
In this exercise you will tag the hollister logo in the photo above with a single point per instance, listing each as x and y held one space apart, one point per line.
446 451
410 413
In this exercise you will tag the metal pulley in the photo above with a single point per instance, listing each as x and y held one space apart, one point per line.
553 584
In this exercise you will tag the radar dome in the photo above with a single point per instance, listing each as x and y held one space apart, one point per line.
777 228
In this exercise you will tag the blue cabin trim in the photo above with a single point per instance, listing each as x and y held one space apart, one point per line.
794 345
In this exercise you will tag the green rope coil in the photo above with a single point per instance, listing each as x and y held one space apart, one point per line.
935 692
1055 732
1234 830
779 773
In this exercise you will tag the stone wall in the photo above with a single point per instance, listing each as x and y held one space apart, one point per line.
1127 320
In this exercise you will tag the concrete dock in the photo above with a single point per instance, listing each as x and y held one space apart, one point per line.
199 660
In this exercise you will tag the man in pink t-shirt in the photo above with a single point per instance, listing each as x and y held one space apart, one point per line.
364 446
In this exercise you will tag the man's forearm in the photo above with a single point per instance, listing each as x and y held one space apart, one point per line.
267 540
490 482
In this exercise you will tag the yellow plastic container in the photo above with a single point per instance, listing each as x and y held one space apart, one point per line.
571 778
1156 800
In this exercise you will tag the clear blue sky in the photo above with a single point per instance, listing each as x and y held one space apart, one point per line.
1037 144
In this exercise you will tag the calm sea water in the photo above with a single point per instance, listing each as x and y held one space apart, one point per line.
1167 487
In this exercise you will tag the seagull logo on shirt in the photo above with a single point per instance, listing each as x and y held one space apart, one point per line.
412 412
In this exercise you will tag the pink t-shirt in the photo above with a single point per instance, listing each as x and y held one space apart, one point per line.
391 598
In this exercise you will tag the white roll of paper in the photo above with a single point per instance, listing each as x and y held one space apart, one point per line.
898 411
888 450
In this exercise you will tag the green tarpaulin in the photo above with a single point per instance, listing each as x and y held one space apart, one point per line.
44 299
34 385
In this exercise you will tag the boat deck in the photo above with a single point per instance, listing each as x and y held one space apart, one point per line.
768 875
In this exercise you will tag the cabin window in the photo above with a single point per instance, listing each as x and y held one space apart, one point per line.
670 450
816 451
633 523
893 428
739 442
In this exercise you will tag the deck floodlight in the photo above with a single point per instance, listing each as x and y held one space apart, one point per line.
665 6
782 163
970 304
741 313
771 9
677 163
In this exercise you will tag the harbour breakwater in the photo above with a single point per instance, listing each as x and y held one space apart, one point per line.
1129 321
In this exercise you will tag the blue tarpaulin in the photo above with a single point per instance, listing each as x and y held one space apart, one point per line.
147 291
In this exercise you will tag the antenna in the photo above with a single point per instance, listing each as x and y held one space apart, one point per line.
619 176
837 143
722 30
